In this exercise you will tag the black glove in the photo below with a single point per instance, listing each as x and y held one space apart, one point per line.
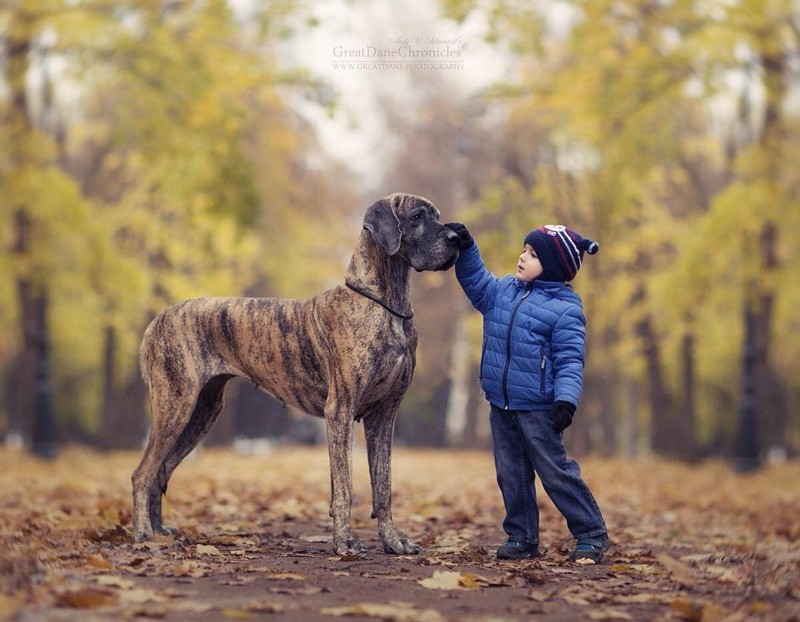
561 415
464 238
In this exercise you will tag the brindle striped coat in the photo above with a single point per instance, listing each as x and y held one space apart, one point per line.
347 354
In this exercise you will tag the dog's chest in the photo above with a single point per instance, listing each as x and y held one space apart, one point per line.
389 370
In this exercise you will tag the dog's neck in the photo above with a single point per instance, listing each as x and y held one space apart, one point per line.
381 276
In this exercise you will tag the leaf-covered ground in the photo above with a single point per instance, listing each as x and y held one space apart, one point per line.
690 543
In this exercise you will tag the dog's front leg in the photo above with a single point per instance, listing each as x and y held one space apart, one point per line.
379 432
339 423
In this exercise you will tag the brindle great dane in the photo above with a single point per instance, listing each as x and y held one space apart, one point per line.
345 355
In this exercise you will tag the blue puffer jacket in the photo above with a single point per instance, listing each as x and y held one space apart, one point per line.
533 337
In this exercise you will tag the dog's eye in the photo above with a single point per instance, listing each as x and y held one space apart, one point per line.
416 217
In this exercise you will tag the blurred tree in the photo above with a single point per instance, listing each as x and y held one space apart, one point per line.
42 214
631 99
148 190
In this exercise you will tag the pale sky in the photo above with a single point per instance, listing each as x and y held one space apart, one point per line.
357 48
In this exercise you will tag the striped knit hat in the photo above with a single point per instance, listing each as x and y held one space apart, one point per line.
560 251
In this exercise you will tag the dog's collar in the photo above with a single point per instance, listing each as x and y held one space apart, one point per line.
404 316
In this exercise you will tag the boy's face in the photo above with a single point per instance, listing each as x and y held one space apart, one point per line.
528 267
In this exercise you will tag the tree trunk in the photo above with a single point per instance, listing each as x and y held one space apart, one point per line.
21 387
686 417
123 409
43 443
661 424
458 395
747 449
109 403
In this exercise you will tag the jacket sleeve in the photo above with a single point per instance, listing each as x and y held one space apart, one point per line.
478 283
569 354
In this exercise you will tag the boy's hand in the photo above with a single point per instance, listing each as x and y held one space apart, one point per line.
561 415
464 238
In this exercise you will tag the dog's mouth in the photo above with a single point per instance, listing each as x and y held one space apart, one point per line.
449 263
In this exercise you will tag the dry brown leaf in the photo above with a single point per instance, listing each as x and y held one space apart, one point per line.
394 612
98 561
86 598
9 605
189 569
449 580
140 596
285 576
679 571
207 549
268 606
109 580
608 613
320 538
541 595
686 609
239 581
306 590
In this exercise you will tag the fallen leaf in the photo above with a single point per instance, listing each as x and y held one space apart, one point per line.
9 605
108 580
540 595
189 569
686 609
608 613
140 596
317 538
394 612
239 581
679 571
98 561
86 598
268 606
306 590
285 576
445 580
207 549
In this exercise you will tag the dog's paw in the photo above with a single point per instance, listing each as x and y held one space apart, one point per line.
142 535
352 546
401 546
163 530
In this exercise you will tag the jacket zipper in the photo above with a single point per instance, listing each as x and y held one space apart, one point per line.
480 367
508 347
542 378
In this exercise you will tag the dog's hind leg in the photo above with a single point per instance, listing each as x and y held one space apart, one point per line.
204 416
171 413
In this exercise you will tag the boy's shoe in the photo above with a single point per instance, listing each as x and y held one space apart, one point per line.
591 549
514 549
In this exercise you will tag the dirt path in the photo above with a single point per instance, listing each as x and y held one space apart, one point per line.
691 543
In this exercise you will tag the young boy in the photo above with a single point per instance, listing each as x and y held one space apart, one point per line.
532 374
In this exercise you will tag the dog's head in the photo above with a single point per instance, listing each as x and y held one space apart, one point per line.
408 226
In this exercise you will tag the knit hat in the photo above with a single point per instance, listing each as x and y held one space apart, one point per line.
560 251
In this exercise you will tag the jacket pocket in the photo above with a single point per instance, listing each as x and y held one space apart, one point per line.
480 366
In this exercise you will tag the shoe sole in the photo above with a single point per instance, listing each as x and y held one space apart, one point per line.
518 557
599 555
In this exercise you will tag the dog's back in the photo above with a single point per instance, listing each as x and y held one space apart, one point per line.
263 339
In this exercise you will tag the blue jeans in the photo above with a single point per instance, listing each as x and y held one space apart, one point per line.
525 445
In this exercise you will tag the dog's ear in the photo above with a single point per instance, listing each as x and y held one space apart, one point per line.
383 224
